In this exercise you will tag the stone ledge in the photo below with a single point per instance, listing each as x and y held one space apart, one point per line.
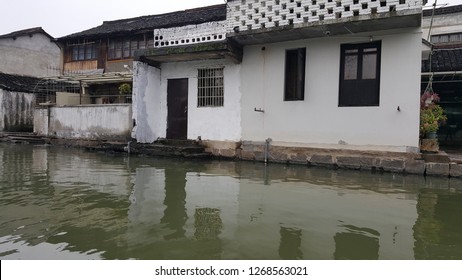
431 164
455 170
437 169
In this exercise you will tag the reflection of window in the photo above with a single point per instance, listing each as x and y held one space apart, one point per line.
357 244
290 245
210 87
360 74
207 223
84 52
295 75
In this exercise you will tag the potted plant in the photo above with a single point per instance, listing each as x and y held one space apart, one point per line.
125 89
431 115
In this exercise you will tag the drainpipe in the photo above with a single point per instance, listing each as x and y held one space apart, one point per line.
267 146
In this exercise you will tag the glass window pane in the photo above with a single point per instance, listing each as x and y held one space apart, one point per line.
75 53
118 51
351 67
81 52
351 51
368 50
369 66
126 49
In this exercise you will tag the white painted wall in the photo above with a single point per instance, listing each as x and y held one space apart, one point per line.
107 122
150 98
442 24
147 103
16 110
29 56
318 119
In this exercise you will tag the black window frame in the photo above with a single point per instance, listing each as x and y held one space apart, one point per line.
294 74
359 91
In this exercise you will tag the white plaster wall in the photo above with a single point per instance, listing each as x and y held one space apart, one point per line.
217 123
211 123
442 24
147 105
41 121
91 122
16 110
29 56
318 119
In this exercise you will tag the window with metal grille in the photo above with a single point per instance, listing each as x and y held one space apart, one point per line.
210 87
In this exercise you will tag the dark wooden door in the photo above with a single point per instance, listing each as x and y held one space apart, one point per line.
177 104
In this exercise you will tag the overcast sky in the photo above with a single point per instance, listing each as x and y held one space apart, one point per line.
60 17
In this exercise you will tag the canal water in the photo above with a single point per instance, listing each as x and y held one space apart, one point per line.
61 203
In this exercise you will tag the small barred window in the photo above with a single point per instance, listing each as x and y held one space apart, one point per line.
210 87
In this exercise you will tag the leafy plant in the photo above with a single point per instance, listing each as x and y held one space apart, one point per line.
431 114
125 89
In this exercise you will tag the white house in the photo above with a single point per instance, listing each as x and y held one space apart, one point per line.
30 52
287 76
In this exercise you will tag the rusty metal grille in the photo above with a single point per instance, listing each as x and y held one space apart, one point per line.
210 87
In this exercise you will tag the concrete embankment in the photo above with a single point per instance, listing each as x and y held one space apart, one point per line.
436 164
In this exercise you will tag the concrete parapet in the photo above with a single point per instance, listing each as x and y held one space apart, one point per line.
349 162
455 170
431 164
322 160
392 165
414 166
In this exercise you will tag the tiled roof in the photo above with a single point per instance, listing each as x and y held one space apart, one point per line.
444 60
26 32
133 25
443 10
19 83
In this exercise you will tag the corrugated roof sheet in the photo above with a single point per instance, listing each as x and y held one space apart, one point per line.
133 25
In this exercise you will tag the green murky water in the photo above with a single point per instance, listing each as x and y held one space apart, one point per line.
58 203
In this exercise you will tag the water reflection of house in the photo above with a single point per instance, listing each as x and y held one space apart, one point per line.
443 30
437 229
180 214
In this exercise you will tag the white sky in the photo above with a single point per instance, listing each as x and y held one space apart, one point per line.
61 17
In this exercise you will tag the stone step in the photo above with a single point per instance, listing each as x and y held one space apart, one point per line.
22 137
177 142
31 140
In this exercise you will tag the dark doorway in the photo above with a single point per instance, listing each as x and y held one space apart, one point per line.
177 104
